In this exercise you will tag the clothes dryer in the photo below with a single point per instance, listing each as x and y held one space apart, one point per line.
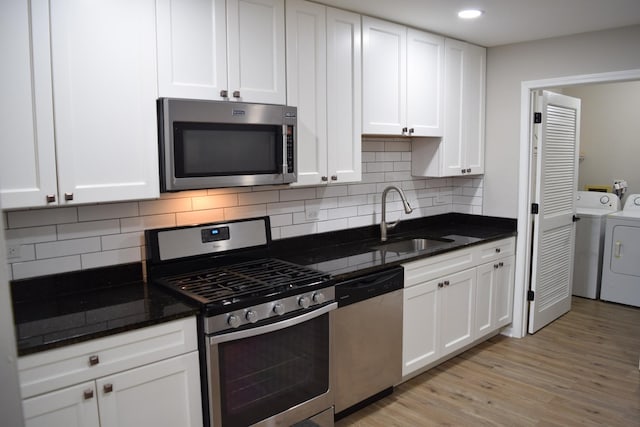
592 209
621 262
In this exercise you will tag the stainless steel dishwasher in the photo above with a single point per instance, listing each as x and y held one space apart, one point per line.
368 339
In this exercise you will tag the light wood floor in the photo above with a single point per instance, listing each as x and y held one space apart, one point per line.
582 370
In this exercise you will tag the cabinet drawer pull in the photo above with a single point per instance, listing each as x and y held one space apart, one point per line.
68 196
224 94
497 250
94 360
88 394
108 388
236 94
51 198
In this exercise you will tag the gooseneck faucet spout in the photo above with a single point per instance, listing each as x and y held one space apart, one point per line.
384 226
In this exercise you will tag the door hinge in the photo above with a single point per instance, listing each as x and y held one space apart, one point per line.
530 295
575 218
537 117
535 208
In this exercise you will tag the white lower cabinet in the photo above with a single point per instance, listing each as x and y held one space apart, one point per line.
165 392
453 300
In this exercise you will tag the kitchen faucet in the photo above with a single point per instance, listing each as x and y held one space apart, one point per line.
390 226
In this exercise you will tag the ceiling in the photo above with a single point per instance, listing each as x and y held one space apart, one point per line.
504 21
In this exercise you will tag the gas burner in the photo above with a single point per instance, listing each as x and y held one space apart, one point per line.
244 281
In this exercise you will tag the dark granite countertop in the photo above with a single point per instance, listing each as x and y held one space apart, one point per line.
348 253
67 308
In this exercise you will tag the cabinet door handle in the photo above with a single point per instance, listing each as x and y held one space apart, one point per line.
334 177
108 388
411 131
236 94
88 394
469 170
404 131
501 264
324 178
464 171
497 250
495 265
51 198
446 283
224 93
440 285
68 196
94 360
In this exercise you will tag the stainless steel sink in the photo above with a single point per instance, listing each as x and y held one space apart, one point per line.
412 245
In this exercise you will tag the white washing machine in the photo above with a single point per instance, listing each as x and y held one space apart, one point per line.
621 262
592 209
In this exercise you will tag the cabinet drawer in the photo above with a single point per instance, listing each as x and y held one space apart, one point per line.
494 250
433 267
54 369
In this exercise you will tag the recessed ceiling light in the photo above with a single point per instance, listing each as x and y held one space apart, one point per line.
470 13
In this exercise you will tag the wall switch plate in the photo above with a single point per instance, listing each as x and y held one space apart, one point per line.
13 251
312 214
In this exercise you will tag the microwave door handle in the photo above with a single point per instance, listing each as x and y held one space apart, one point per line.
284 166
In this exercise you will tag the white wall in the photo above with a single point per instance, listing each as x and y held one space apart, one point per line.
508 66
609 133
55 240
10 400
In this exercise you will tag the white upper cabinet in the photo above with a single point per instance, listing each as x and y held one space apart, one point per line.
84 104
212 49
192 48
402 80
461 151
323 82
27 153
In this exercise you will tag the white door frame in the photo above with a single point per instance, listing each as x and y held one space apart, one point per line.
518 328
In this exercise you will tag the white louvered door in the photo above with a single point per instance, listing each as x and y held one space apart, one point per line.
555 192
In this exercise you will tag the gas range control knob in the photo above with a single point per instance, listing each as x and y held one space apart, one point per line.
251 316
278 309
233 321
318 297
304 301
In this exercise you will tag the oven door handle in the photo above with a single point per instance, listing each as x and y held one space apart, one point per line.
232 336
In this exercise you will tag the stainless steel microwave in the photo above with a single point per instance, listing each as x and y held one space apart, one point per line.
211 144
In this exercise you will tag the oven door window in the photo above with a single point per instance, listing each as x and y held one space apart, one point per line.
209 149
266 374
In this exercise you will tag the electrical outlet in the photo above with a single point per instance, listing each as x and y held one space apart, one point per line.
312 214
13 251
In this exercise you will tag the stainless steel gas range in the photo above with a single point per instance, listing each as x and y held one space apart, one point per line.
266 324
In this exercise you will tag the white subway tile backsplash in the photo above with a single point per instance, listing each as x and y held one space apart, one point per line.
199 217
34 218
67 247
297 194
332 191
284 207
162 206
71 238
258 197
107 211
88 229
141 223
121 241
23 236
245 212
118 256
23 270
